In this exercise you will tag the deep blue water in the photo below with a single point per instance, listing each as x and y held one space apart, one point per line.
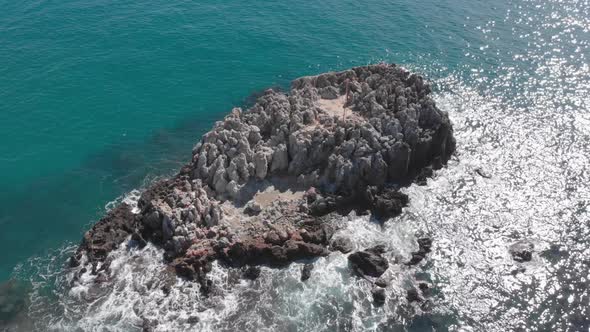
99 97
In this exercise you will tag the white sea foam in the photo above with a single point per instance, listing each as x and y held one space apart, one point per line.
277 300
131 198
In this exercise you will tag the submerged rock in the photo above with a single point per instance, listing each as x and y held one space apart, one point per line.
13 300
148 325
306 272
381 282
251 272
413 295
378 296
342 244
522 251
424 247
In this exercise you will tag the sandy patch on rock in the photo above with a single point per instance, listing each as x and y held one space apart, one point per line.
335 107
271 194
277 197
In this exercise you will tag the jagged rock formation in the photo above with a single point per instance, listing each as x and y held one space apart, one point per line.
107 234
424 246
369 262
354 136
392 129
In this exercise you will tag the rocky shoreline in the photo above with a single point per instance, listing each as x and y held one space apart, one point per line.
268 185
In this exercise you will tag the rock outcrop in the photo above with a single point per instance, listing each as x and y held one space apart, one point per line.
349 140
306 271
369 262
106 235
391 131
522 251
424 247
342 244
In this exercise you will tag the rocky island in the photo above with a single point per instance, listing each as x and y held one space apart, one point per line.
267 185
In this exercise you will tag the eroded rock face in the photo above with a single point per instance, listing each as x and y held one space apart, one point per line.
393 129
106 235
522 251
348 151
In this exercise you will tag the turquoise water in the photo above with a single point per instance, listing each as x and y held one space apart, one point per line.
97 98
97 95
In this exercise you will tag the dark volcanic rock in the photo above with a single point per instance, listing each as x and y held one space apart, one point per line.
522 251
311 195
252 209
424 288
481 172
378 296
369 262
184 269
391 133
193 319
381 282
107 234
259 252
342 244
323 205
148 325
300 250
13 300
138 240
413 295
273 238
251 272
423 175
418 292
306 272
424 247
385 203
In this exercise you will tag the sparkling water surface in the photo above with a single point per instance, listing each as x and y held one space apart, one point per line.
99 98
